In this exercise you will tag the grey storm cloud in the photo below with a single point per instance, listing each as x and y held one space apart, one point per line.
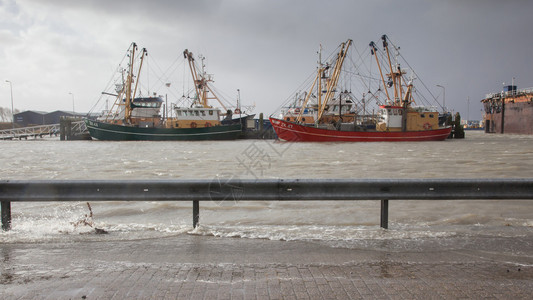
264 48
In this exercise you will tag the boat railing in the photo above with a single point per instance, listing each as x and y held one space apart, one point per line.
421 108
502 94
236 190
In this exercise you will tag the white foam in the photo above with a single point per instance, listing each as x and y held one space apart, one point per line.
322 233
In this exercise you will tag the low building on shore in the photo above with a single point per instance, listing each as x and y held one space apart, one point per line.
35 118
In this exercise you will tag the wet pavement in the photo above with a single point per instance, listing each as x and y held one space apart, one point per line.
206 267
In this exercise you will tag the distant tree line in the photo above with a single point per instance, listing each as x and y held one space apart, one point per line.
6 115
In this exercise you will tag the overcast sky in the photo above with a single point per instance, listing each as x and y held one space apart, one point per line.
49 49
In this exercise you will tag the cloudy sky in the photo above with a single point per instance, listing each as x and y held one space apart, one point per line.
57 52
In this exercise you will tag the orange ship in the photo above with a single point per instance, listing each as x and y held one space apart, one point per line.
510 111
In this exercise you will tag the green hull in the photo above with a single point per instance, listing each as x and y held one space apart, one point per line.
112 132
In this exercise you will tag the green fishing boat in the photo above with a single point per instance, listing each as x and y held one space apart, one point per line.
136 118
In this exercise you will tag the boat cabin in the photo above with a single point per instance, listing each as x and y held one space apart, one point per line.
193 117
308 115
390 118
345 108
148 107
416 118
145 113
422 118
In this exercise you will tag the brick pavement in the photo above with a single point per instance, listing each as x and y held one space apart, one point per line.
200 267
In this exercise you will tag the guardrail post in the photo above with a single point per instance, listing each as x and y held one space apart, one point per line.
384 214
6 215
195 213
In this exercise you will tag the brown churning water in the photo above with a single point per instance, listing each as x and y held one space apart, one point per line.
340 224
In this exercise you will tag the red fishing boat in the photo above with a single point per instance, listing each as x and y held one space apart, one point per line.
323 114
289 131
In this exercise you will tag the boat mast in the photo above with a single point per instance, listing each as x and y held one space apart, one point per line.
129 79
201 80
408 94
238 109
392 75
373 51
395 75
332 82
120 89
143 54
300 115
199 83
321 74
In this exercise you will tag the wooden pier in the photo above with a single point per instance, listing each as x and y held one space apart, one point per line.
67 129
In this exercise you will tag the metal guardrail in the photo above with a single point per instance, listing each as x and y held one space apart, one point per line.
261 190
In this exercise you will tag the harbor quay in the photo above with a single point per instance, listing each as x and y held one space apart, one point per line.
191 266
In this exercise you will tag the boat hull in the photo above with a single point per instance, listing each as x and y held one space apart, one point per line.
298 133
113 132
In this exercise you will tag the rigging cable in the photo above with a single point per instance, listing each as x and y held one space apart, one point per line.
412 70
110 81
306 84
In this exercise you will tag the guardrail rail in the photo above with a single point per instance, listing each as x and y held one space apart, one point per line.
261 190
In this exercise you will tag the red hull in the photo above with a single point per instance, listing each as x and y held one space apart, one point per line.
292 132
